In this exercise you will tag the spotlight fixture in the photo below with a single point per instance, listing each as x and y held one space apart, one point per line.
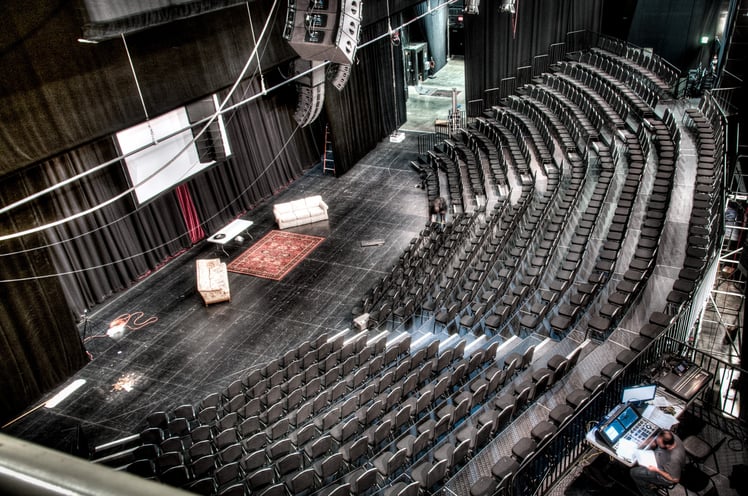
472 7
508 6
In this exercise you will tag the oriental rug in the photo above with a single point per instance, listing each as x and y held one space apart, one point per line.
275 255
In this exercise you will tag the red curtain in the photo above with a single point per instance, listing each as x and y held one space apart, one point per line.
191 220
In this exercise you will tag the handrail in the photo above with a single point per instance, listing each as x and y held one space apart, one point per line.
723 375
546 466
27 468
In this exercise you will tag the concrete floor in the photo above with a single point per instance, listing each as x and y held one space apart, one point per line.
432 99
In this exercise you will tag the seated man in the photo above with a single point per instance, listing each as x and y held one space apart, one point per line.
439 211
671 457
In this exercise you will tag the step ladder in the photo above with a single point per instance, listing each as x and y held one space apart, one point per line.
328 160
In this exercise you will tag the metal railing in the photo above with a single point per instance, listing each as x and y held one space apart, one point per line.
27 468
507 86
547 465
540 64
725 97
427 141
524 75
556 52
475 107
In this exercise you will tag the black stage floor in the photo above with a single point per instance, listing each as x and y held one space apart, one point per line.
192 350
187 351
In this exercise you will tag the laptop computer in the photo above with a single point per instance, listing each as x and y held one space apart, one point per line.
620 420
625 422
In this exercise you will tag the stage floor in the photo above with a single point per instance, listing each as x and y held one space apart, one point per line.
192 350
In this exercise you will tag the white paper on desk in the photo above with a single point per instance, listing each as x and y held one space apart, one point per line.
659 418
645 458
626 450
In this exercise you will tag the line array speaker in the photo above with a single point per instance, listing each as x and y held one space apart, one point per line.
323 29
311 92
349 29
338 75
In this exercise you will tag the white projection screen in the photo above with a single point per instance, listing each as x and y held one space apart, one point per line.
161 151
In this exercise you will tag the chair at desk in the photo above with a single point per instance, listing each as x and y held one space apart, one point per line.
698 451
695 479
665 490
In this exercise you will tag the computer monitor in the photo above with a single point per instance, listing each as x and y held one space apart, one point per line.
639 393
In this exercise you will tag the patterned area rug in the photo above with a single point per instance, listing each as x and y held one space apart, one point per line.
275 255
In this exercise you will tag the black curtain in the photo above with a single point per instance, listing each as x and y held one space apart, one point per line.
434 27
62 93
39 342
371 105
617 18
105 251
258 132
49 278
673 28
497 43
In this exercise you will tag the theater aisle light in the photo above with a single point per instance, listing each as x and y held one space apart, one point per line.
66 391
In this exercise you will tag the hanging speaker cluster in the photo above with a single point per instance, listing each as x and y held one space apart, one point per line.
349 28
338 75
324 29
311 91
321 30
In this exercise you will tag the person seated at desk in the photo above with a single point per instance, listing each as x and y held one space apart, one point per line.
671 457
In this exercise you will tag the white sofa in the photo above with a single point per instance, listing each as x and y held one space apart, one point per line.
298 212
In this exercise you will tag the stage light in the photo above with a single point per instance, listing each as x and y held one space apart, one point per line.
472 7
704 40
508 6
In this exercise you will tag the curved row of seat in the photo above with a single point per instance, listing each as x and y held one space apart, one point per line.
493 160
441 161
637 154
632 87
540 137
242 449
458 150
666 138
656 66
